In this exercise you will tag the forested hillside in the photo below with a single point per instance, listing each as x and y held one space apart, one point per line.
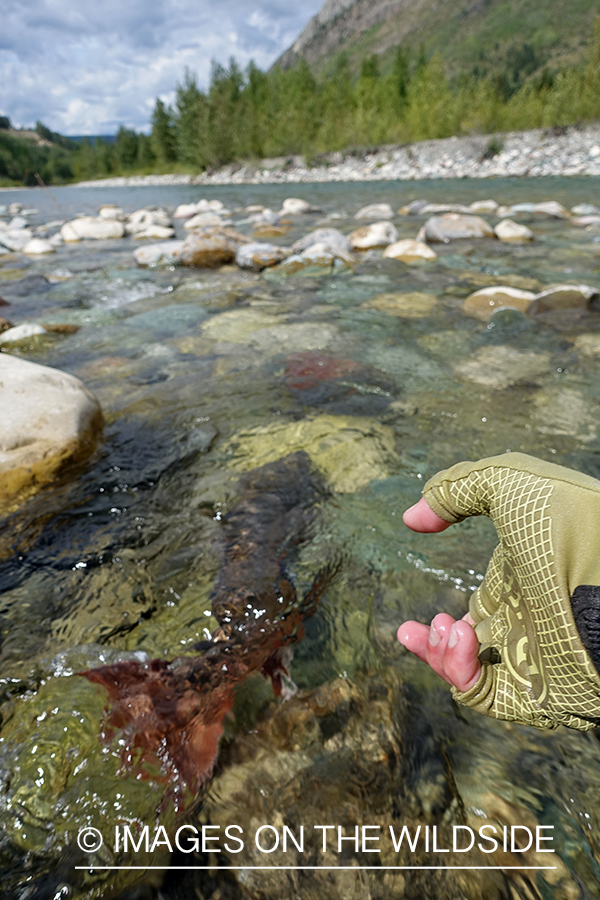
253 114
506 39
363 73
23 153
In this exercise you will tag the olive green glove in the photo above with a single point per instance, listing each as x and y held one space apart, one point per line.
538 670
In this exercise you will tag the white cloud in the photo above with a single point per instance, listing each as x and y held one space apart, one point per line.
85 70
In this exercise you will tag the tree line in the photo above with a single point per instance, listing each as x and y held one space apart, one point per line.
251 114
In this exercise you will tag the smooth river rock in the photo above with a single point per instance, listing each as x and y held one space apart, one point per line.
369 237
21 333
293 206
512 232
409 251
375 211
38 247
563 296
333 239
88 228
49 420
209 248
260 256
484 303
166 252
455 227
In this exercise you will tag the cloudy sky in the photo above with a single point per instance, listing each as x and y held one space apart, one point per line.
85 68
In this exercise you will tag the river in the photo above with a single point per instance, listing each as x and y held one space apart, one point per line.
204 376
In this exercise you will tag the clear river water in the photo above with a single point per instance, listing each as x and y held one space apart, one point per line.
207 375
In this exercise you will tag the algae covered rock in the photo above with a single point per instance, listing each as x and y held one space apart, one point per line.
501 366
413 305
351 451
49 420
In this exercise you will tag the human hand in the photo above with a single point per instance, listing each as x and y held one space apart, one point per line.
538 608
451 648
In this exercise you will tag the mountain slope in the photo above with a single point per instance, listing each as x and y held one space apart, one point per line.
472 36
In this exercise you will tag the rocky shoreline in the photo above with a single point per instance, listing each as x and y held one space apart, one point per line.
543 152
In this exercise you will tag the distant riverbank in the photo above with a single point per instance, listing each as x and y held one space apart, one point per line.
568 151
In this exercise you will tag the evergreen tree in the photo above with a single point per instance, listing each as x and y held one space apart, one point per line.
163 136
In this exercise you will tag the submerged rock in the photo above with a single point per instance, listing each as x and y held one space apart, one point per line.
455 227
563 296
49 420
501 366
379 234
409 251
413 305
484 303
351 451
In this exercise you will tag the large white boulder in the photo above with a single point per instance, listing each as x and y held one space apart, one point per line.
49 421
88 228
379 234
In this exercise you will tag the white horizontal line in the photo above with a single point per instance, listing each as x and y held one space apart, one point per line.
324 868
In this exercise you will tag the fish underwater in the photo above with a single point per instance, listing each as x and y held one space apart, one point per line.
157 725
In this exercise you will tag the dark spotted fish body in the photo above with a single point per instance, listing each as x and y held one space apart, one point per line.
174 710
